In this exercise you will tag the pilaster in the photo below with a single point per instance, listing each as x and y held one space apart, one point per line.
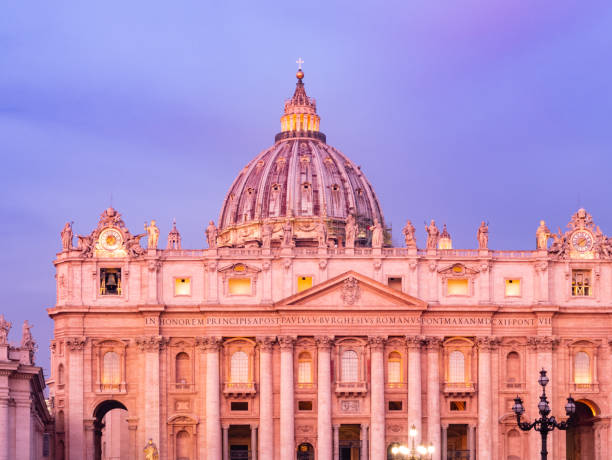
324 397
414 384
266 398
213 409
287 412
433 392
377 398
75 406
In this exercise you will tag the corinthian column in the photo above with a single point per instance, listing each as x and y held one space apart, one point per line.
76 441
414 383
433 393
485 447
266 401
287 419
151 346
324 400
213 411
377 398
4 435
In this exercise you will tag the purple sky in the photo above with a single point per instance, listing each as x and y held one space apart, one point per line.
458 111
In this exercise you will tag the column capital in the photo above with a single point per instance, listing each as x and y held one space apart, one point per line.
377 342
415 341
76 343
286 342
324 342
486 344
432 343
209 344
543 343
254 426
266 343
151 343
225 426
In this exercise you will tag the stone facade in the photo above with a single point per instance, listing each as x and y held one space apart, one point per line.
26 426
283 344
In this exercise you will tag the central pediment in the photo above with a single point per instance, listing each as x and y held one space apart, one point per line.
352 290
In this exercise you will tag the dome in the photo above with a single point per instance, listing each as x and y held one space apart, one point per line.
299 179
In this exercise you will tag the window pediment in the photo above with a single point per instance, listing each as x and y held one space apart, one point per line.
458 270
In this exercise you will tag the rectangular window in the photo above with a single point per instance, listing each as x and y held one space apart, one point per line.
305 371
239 286
457 287
458 405
182 286
110 281
303 283
239 405
395 283
304 405
581 283
395 405
513 288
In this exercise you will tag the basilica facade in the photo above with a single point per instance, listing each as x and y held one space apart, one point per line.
300 332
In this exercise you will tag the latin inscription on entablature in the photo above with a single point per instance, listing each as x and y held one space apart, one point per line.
356 320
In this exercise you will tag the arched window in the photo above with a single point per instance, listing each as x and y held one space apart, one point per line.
513 367
183 368
394 367
456 367
239 367
183 446
582 368
60 374
110 370
350 366
304 368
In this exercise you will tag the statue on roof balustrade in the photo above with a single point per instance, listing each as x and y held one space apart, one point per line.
5 327
211 235
409 236
377 234
433 235
152 234
483 236
67 236
27 341
350 231
542 236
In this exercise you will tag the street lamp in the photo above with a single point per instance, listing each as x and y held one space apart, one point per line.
420 452
545 423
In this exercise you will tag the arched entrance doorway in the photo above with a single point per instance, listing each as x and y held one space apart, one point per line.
111 438
580 439
305 451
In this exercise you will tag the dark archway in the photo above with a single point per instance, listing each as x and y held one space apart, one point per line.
305 451
580 439
99 415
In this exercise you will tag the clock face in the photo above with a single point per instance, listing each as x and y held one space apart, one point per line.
110 239
582 241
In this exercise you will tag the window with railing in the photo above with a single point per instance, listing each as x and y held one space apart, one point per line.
349 366
394 367
239 367
304 368
111 373
581 283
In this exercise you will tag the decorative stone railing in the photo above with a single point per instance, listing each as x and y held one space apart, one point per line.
351 388
359 251
584 387
182 387
239 390
459 388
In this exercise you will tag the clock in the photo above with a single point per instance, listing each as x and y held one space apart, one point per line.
110 239
582 241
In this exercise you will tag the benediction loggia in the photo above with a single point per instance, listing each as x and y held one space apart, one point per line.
301 333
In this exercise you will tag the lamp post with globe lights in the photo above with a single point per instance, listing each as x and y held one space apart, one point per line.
420 452
544 424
